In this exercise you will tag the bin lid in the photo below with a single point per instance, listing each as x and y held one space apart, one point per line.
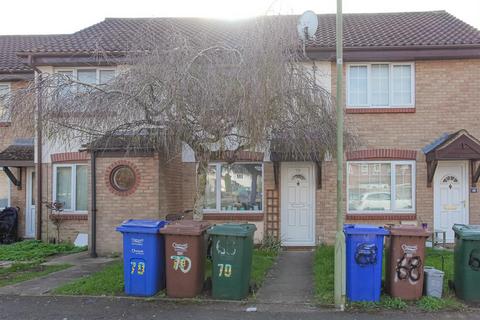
141 226
432 271
468 232
186 227
364 229
232 229
408 231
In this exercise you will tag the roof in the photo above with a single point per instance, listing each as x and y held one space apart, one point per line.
20 153
457 145
366 30
11 45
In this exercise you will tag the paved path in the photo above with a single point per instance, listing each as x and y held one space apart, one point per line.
290 281
82 265
73 308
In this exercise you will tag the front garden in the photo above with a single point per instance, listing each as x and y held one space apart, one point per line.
109 281
23 260
439 259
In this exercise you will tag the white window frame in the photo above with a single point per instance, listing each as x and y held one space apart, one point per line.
73 167
9 199
393 187
390 85
97 69
218 189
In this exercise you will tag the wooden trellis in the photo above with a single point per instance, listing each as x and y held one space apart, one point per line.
273 213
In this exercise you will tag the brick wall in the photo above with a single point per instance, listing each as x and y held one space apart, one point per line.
7 136
446 100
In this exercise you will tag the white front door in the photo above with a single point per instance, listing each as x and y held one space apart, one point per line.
451 196
30 216
297 204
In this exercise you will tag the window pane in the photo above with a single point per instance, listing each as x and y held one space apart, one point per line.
402 85
34 189
242 186
64 187
4 190
357 86
380 83
403 197
81 189
106 76
369 187
211 188
65 84
86 76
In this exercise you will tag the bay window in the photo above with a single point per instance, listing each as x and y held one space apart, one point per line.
381 186
380 85
236 187
70 186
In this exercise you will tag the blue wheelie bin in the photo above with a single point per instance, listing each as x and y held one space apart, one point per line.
143 256
364 254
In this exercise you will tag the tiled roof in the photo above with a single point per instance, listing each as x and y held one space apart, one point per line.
17 153
10 45
369 30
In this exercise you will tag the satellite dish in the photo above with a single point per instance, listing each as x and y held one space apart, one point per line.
307 25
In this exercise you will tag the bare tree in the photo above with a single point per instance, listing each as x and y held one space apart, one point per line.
251 89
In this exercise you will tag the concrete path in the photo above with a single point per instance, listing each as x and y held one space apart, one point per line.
83 265
290 281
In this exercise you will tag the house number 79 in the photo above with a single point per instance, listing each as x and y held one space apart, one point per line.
225 270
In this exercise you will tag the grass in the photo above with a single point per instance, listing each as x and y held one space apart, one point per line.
32 250
439 259
20 272
109 281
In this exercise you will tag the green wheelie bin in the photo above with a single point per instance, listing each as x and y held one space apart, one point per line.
231 250
467 262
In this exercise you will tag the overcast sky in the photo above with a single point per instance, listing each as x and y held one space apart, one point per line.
67 16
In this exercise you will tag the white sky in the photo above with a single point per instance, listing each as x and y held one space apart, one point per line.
67 16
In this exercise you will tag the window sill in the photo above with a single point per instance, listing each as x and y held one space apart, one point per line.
69 216
233 216
381 216
4 124
381 110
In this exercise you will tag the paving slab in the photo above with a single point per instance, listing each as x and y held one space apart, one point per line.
290 281
82 265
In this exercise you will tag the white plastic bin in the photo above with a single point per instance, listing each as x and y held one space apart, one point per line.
433 282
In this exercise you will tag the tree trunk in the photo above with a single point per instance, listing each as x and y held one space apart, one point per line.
199 200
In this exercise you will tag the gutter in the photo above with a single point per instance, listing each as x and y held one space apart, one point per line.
93 222
38 165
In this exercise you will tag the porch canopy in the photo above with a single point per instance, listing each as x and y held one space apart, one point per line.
460 145
18 155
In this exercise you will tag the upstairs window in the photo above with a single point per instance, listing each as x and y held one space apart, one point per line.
4 91
94 76
380 85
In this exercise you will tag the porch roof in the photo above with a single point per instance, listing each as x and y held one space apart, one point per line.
459 145
19 154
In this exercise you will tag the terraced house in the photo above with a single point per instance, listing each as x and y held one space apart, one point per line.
412 92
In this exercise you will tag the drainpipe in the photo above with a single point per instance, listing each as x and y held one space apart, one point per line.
38 164
93 226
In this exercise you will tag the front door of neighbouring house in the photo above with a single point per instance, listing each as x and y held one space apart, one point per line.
451 196
30 217
297 204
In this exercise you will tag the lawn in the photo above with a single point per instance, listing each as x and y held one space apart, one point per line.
440 259
33 250
109 281
27 257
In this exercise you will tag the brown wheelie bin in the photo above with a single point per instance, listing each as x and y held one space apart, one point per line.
405 261
185 252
